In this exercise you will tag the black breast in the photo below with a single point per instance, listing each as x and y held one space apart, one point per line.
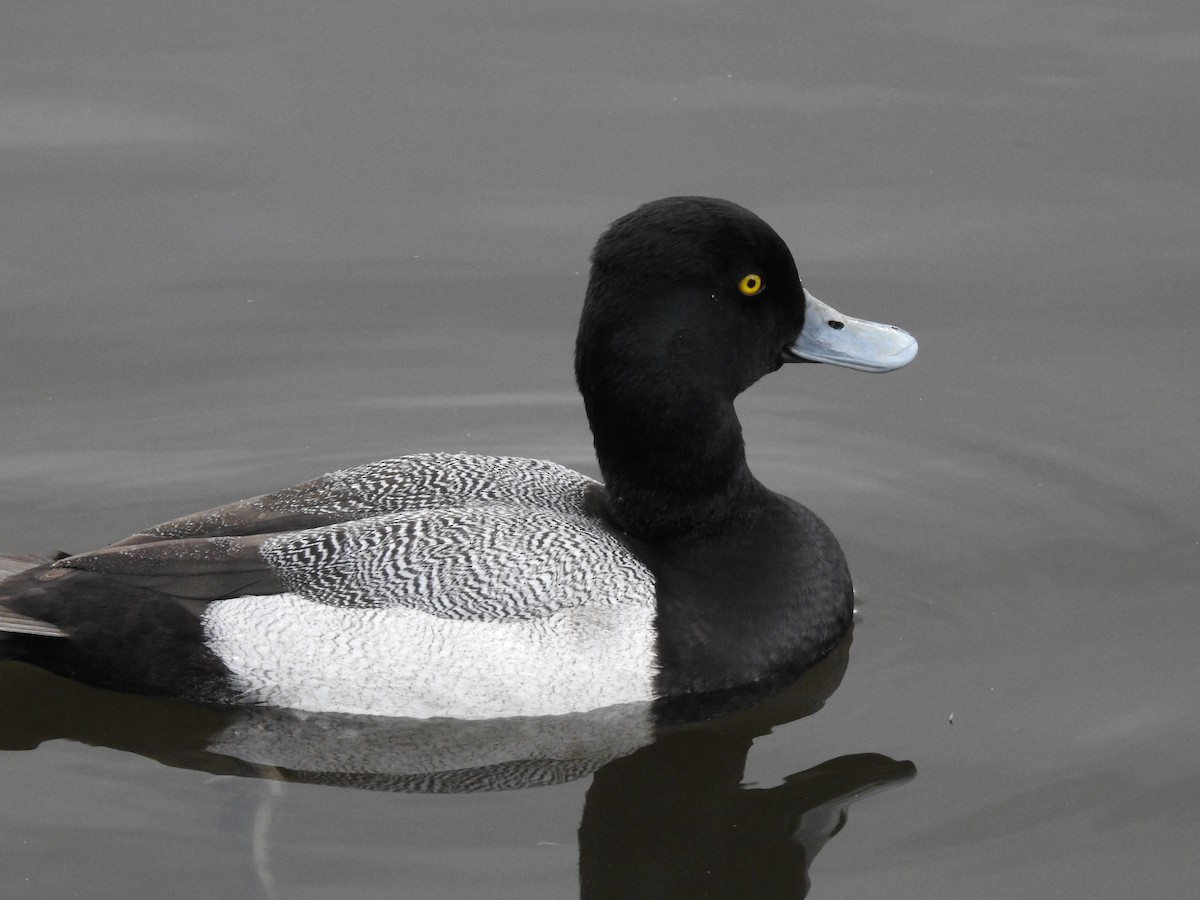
758 602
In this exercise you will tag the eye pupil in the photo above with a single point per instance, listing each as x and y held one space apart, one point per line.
750 285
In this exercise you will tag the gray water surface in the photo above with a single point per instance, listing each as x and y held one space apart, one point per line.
241 245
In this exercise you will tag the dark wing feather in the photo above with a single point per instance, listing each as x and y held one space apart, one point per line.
309 505
392 485
191 568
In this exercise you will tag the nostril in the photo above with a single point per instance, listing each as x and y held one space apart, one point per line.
836 325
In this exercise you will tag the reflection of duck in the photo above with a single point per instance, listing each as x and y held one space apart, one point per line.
674 821
666 814
479 586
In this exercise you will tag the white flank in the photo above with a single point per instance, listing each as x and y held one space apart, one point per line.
284 650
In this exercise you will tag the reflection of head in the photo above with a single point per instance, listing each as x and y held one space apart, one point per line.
673 821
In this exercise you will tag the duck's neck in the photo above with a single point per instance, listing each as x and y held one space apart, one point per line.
671 467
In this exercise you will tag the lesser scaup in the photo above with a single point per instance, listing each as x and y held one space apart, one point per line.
478 586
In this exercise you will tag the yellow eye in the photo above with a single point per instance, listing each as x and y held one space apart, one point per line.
751 285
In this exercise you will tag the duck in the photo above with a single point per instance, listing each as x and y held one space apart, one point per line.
476 587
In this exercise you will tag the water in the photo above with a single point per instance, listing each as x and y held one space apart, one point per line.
245 245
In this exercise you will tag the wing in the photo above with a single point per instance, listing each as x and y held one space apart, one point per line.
418 482
191 568
480 563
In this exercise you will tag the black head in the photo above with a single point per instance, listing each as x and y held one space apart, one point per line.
691 300
692 294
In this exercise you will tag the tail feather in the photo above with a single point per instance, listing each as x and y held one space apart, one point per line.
13 622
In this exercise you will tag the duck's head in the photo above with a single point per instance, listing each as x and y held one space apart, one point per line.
699 292
690 301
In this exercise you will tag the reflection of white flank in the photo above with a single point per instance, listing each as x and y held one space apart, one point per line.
316 742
